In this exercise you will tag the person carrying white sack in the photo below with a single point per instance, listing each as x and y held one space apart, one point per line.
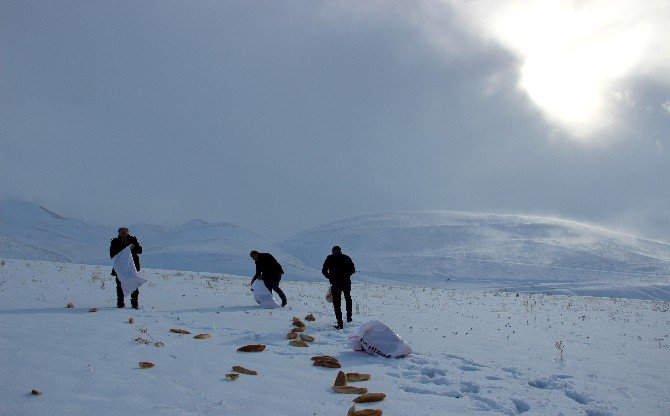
269 271
116 246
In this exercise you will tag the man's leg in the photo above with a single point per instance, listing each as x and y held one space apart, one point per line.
347 300
275 287
136 293
337 304
119 294
273 284
133 298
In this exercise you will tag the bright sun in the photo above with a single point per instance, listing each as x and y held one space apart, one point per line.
572 55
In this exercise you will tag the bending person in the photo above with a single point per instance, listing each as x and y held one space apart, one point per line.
269 271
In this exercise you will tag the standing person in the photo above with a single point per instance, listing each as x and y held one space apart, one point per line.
117 245
338 269
269 271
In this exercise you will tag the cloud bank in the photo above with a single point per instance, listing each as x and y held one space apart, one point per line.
283 116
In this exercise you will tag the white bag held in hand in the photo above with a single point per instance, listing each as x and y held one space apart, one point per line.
263 296
377 338
126 272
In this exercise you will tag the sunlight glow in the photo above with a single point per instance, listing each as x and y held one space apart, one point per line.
573 54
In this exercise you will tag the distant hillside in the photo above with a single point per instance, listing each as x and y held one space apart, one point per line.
37 226
213 247
437 249
12 249
498 251
195 245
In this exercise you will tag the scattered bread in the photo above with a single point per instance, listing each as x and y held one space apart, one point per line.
252 348
310 318
349 390
370 397
297 322
364 412
354 377
131 320
36 392
146 364
341 379
159 344
69 306
292 335
202 336
232 376
93 310
298 329
298 343
305 337
327 363
179 331
324 358
243 370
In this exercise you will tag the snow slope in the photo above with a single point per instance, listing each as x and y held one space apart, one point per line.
435 249
475 352
12 249
460 250
195 245
214 247
69 238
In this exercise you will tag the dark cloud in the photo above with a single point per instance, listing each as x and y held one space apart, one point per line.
280 116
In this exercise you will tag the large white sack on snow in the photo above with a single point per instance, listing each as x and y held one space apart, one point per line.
126 272
377 338
263 296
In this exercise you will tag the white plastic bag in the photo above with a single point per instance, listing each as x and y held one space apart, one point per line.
377 338
329 296
263 296
126 272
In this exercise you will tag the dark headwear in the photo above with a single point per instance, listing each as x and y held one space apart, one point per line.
337 250
253 252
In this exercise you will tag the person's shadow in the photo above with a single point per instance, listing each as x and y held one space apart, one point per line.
217 309
50 310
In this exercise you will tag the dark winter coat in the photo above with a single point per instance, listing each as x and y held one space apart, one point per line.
268 266
117 245
338 269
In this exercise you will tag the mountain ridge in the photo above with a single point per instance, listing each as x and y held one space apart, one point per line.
447 249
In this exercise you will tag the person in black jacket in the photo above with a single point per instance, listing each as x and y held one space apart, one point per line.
269 271
117 245
338 269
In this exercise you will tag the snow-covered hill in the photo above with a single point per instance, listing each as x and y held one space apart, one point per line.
10 248
435 249
475 352
458 250
213 247
195 245
39 227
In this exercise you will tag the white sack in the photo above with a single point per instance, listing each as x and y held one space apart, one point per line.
263 296
126 272
377 338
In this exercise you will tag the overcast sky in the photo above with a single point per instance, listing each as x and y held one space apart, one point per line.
283 115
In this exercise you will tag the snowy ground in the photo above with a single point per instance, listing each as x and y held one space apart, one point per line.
474 352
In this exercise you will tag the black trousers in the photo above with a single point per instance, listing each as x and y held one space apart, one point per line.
119 296
272 283
337 290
